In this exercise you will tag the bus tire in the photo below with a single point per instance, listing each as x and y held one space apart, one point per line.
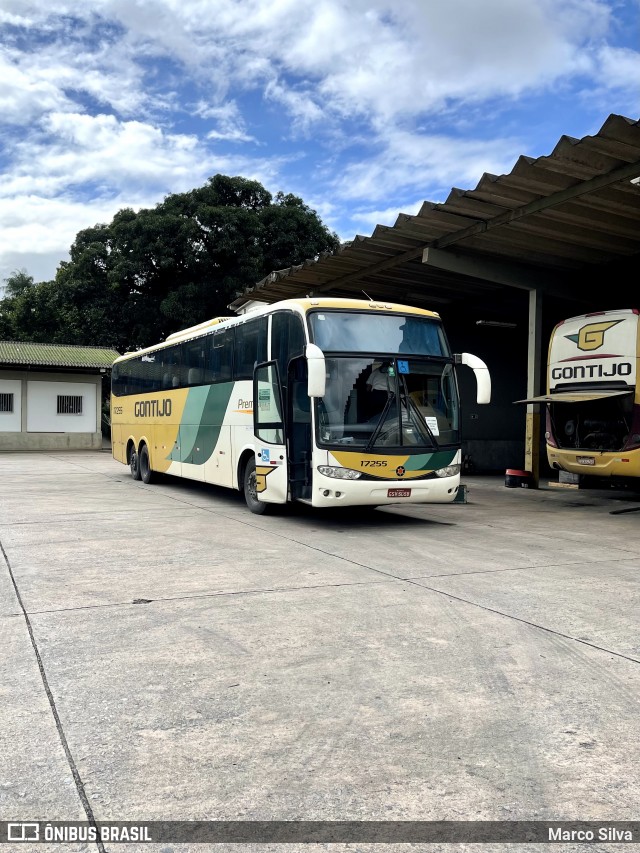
249 488
134 464
146 472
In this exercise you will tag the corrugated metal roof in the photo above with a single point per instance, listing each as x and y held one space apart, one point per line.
557 214
55 355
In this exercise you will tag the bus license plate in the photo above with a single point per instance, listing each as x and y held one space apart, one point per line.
398 493
586 460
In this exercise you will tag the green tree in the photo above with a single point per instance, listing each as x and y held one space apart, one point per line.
17 283
38 313
16 286
147 274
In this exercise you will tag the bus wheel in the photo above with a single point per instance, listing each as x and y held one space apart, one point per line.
134 464
250 489
146 473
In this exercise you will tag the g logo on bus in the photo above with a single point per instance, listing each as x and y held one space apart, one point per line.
400 471
591 336
262 472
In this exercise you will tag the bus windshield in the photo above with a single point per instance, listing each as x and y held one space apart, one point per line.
341 331
370 403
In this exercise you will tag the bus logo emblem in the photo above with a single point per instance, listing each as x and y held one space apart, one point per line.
400 471
591 336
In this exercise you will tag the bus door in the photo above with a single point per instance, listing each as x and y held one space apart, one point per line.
269 433
299 429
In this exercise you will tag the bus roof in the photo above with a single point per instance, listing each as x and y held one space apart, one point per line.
311 302
304 305
595 314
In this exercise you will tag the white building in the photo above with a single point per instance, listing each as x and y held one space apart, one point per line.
51 395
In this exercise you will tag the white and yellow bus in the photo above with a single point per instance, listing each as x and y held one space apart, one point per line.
332 402
593 400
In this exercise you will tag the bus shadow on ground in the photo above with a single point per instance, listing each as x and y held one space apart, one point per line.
346 517
350 518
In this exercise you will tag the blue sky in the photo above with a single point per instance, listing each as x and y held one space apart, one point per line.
364 109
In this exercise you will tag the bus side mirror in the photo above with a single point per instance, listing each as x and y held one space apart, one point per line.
317 371
483 380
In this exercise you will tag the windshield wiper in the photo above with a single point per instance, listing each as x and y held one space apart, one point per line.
412 407
379 425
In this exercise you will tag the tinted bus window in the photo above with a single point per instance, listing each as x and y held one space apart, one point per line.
220 356
149 372
250 347
172 374
392 333
117 380
193 361
287 340
134 377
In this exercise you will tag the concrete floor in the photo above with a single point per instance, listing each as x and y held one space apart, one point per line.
461 662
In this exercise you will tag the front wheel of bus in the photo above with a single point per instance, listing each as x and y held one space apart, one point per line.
251 491
134 464
146 472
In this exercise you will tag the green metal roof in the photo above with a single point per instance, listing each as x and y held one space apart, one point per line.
55 355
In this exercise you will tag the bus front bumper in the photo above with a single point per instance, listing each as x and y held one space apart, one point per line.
329 492
594 463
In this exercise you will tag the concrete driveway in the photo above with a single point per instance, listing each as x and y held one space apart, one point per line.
168 655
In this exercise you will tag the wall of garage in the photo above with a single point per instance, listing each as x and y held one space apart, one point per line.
35 422
492 435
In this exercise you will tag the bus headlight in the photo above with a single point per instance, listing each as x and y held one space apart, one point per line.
339 473
448 471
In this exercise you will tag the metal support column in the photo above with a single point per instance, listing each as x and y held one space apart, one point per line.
534 357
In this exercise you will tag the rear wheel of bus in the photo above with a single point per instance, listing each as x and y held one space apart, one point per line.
250 489
146 472
134 463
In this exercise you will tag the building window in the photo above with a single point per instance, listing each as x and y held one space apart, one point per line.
6 402
69 404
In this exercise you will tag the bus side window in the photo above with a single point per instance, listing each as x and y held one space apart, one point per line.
172 368
151 373
117 378
287 340
219 358
250 347
123 381
136 376
132 385
193 361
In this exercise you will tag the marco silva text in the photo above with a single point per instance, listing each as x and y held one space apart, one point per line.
603 833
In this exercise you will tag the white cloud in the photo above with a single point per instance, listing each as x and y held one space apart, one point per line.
230 125
44 200
364 220
375 57
79 149
58 74
459 51
302 107
390 93
410 161
40 231
621 69
24 97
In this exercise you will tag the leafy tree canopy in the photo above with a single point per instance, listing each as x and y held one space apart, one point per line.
134 281
17 283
